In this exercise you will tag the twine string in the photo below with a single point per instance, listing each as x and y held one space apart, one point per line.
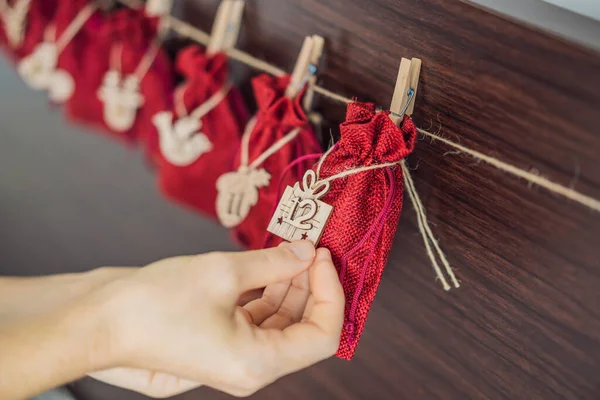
204 108
75 26
191 32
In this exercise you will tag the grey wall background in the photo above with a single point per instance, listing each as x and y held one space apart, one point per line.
55 214
581 24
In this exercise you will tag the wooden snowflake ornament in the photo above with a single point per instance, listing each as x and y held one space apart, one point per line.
300 215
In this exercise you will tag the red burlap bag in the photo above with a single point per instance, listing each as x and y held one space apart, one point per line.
36 20
70 57
277 116
366 208
125 35
189 176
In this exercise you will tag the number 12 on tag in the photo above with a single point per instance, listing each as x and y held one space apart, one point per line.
300 215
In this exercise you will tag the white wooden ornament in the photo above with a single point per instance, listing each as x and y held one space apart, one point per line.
158 8
181 143
39 71
37 68
238 193
15 20
121 98
300 215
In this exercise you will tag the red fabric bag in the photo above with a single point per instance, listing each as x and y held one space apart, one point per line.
366 208
54 61
33 21
277 118
193 150
120 43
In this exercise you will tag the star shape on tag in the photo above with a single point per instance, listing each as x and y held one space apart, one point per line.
300 214
121 98
181 143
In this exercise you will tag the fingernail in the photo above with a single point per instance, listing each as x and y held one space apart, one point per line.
303 249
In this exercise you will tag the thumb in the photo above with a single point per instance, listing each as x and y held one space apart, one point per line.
259 268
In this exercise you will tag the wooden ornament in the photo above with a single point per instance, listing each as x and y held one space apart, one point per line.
121 98
238 193
300 215
39 71
15 19
36 69
62 86
181 143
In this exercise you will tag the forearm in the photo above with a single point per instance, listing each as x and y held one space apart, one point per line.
50 350
27 297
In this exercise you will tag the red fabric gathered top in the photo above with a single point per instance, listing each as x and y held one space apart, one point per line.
120 42
366 208
193 150
247 195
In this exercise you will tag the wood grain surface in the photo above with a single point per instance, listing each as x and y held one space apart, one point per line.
526 322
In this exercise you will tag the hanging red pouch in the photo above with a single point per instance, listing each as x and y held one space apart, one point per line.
22 24
125 76
366 207
53 63
276 136
195 142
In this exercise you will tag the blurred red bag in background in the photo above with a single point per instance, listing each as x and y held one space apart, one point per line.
22 24
55 61
276 136
125 76
195 142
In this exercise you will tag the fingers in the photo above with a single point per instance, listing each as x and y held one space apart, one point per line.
317 338
259 268
291 309
154 384
249 296
261 309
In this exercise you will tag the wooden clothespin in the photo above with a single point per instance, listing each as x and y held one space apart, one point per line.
408 78
159 8
310 54
315 58
226 27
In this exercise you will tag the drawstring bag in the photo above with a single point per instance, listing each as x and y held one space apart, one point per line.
195 142
126 76
52 63
366 207
277 135
351 201
22 24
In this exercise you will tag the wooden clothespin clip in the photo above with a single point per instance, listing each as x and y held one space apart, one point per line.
305 68
226 27
158 8
316 54
403 101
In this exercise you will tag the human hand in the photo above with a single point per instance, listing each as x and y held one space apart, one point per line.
176 324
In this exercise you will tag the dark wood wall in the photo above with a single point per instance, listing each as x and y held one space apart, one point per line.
526 322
